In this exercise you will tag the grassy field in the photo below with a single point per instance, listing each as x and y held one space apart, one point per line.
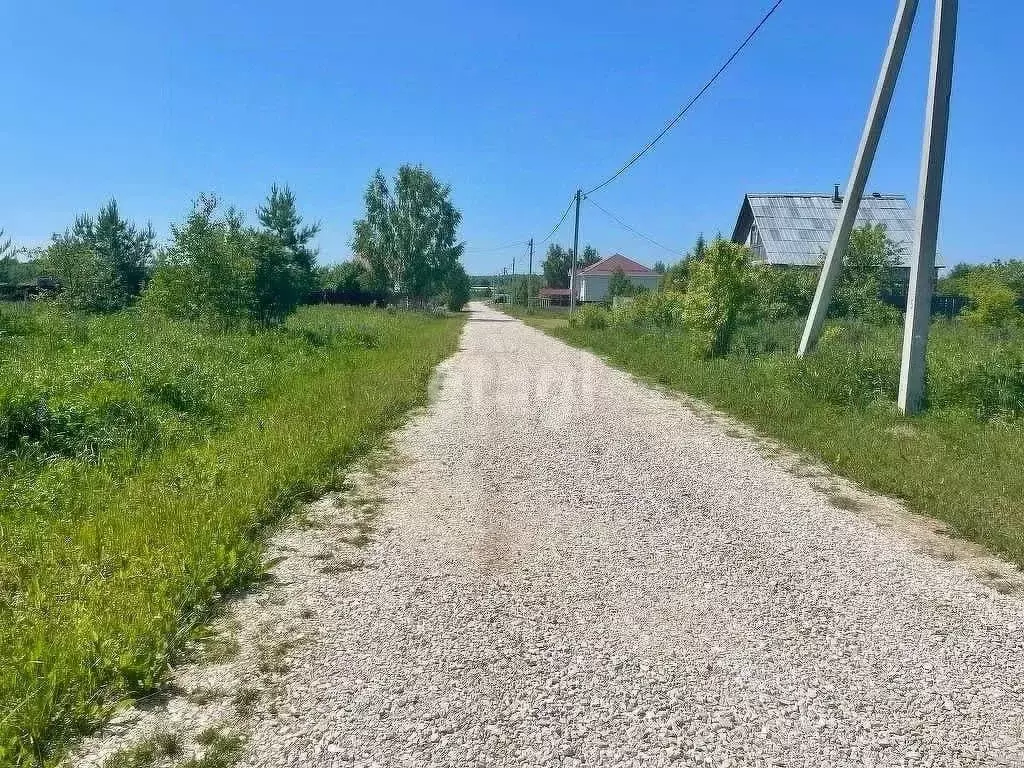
142 460
960 461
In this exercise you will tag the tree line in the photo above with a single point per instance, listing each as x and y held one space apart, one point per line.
219 269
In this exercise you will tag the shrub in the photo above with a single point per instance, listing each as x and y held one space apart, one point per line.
658 309
993 302
719 290
457 289
783 292
590 317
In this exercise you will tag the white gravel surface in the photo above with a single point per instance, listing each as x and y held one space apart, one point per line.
570 568
574 569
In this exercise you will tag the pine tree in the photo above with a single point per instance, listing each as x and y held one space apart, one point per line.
280 217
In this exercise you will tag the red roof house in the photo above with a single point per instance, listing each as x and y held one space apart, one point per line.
592 282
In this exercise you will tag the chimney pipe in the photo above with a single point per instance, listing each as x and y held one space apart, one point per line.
836 197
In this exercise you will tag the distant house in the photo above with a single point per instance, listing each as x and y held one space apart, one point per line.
592 282
796 229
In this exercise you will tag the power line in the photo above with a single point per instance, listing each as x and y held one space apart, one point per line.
516 244
635 231
690 103
562 219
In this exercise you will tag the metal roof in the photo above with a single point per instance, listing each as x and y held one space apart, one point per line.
797 229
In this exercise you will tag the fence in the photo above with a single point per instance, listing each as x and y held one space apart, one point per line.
948 305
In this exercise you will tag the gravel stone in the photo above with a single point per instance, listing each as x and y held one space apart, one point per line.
569 567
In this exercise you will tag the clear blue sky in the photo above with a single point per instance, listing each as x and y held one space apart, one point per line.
515 106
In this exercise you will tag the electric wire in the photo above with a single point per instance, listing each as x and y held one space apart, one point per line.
679 116
635 231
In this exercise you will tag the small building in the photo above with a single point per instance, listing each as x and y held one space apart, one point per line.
592 282
553 297
796 229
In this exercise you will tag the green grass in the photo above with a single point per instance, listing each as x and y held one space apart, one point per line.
142 462
960 461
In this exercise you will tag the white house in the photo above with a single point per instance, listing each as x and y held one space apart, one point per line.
592 282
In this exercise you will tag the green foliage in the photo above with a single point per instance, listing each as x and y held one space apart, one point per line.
590 316
409 237
867 273
1009 273
142 459
959 461
280 217
677 277
993 302
209 272
719 290
619 284
87 281
101 263
351 282
783 292
457 289
558 263
224 273
652 309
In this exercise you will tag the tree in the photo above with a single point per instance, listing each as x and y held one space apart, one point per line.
106 255
719 291
659 267
280 217
409 237
558 263
868 272
677 276
208 273
619 284
556 266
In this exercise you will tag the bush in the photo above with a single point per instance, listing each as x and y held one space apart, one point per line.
457 289
659 309
222 272
590 317
993 302
784 292
719 290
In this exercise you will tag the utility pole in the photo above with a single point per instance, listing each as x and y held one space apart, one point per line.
891 65
575 249
933 162
529 278
513 291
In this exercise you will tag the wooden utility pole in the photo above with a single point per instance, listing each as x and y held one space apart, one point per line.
529 277
933 159
513 280
575 249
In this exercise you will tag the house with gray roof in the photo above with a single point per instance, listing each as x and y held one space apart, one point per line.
796 229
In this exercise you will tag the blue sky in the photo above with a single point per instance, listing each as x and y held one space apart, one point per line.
513 104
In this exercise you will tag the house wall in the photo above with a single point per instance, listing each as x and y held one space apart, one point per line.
595 287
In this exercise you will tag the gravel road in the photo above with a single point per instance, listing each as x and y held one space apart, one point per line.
571 568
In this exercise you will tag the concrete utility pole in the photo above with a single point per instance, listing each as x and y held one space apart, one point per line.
575 249
933 159
933 163
529 277
891 65
513 291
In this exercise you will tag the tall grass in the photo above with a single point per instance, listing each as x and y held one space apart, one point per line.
960 461
116 537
